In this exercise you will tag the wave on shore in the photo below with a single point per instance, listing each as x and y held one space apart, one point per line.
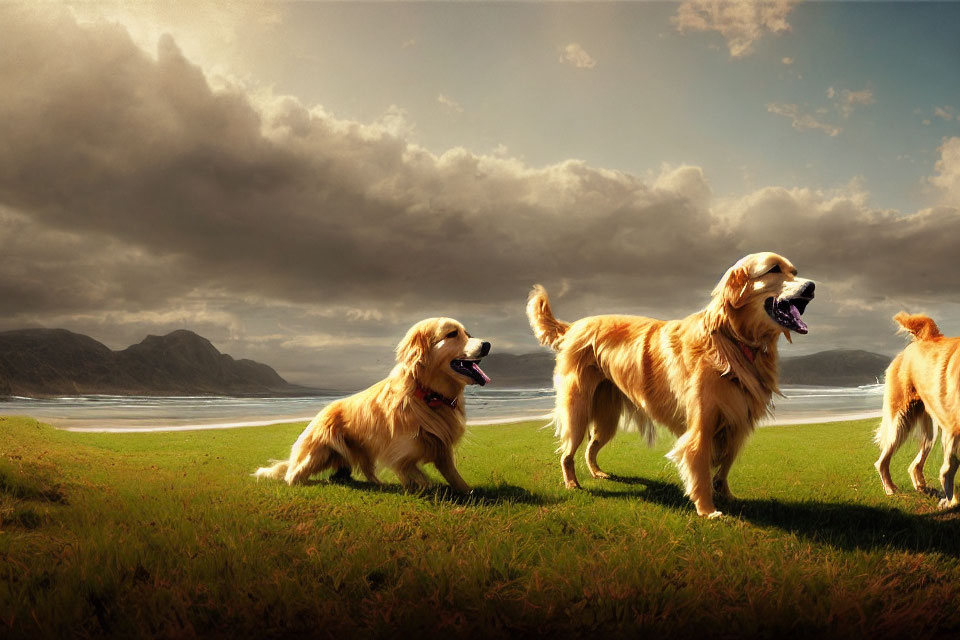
137 414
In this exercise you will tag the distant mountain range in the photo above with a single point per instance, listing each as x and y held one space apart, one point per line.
46 362
836 368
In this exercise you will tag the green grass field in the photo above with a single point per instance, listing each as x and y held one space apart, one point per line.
167 535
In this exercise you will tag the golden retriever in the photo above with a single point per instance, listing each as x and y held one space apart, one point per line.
922 384
708 377
415 415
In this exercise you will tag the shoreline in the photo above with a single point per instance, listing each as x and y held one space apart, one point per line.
99 426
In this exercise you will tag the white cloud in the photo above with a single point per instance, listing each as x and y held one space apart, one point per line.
741 22
449 104
843 103
802 121
946 113
947 179
846 101
576 56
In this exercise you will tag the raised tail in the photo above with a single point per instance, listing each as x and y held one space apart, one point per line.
919 326
546 327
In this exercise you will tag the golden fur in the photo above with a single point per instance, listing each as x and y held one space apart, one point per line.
708 377
922 385
391 423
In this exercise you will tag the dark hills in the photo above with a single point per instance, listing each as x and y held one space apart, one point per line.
838 368
45 362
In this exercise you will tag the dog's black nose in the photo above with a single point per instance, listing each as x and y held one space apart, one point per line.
806 290
484 349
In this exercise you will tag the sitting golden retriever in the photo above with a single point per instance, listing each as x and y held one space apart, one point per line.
708 377
415 415
922 384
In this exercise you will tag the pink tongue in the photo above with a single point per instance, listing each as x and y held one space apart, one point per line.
795 314
476 367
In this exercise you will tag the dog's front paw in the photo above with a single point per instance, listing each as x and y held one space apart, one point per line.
715 515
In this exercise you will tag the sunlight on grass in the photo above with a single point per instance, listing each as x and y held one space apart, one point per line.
167 534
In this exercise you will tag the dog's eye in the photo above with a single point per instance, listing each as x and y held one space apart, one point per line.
776 269
453 334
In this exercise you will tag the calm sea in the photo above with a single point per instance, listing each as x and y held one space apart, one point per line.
484 405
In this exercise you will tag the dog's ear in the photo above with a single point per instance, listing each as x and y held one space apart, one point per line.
732 287
413 349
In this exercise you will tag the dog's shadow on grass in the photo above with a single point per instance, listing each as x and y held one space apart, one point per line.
843 525
655 491
855 526
479 495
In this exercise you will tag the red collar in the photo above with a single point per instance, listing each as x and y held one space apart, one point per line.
433 399
749 353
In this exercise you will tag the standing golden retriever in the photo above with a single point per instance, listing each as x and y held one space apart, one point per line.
922 384
415 415
708 377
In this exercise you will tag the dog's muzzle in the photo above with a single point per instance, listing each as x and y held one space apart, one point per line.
470 366
786 310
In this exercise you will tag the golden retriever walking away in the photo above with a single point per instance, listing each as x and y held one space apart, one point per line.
922 385
415 415
708 377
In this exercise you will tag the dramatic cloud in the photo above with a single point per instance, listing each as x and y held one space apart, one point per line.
134 197
740 22
573 54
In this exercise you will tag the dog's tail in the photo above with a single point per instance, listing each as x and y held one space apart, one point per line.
277 471
546 327
919 326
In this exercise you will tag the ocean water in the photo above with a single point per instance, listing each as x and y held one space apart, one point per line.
484 406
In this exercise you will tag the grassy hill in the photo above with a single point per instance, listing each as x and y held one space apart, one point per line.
166 534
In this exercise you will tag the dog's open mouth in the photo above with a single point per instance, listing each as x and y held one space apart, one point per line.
470 369
787 311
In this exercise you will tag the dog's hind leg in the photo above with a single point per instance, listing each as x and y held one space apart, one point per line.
574 395
607 407
342 468
411 476
951 462
305 463
898 418
927 430
366 464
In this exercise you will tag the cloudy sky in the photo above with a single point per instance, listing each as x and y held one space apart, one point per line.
301 182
